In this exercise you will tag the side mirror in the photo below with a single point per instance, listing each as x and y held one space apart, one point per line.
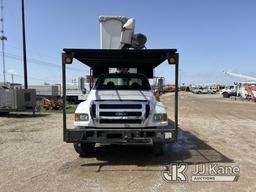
156 92
84 91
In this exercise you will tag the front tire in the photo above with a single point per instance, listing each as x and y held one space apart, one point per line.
248 97
225 95
84 149
158 149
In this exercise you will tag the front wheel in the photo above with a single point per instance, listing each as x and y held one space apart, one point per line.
248 97
158 148
84 149
225 95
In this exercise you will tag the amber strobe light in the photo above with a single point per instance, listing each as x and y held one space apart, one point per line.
173 59
68 58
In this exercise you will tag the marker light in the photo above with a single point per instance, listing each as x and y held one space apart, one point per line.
67 58
171 60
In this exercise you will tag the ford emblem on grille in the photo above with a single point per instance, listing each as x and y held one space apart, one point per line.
120 114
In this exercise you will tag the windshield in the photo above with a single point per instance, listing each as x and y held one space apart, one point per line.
122 82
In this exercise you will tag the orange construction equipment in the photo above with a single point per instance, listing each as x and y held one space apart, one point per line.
54 104
251 92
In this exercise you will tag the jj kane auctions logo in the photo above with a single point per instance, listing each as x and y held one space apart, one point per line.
209 173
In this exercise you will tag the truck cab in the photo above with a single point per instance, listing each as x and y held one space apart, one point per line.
121 101
229 91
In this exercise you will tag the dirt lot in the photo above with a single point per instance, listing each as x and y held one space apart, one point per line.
212 130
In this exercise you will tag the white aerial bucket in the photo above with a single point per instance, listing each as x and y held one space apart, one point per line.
110 31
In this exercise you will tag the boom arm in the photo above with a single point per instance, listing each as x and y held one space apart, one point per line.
240 76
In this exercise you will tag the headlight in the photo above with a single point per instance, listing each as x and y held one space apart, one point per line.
160 117
81 117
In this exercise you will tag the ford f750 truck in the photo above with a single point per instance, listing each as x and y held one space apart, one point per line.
121 107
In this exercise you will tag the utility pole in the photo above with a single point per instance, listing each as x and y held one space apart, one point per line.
12 73
12 77
24 46
180 77
3 38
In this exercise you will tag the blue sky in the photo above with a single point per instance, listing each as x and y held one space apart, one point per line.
210 35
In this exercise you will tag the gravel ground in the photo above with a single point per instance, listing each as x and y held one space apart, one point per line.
213 130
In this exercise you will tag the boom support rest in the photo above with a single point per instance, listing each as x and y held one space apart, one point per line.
100 60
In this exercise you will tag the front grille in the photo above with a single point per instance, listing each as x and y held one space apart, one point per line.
119 113
147 110
93 110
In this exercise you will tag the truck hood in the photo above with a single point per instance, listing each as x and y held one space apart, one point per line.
123 95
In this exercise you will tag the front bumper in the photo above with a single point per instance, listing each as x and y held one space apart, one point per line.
124 136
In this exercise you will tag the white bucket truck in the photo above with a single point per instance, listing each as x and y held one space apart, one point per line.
121 107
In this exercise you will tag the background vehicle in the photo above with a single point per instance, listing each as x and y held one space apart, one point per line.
199 90
246 90
212 90
203 88
229 91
